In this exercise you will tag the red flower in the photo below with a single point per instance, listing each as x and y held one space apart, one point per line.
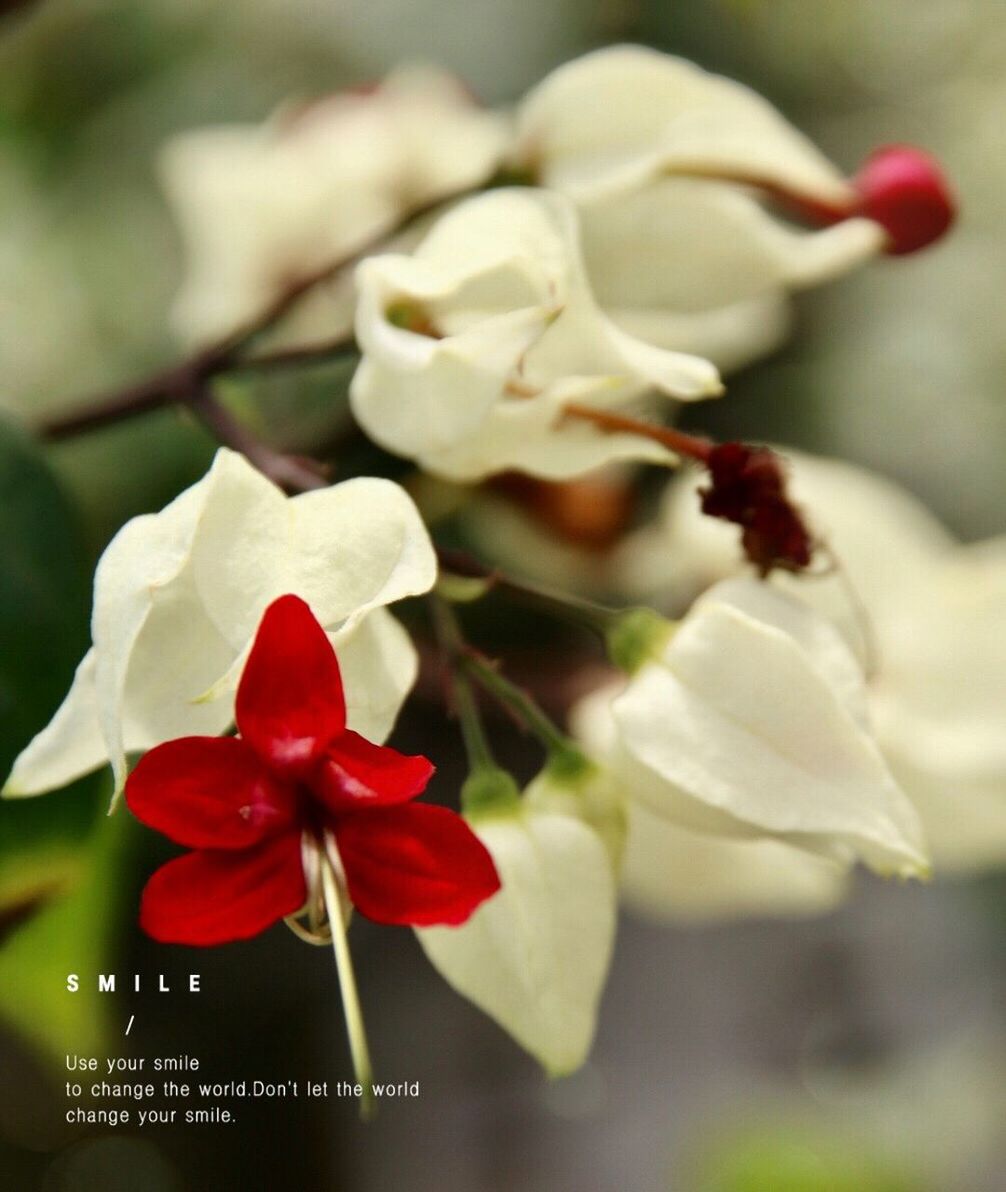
245 804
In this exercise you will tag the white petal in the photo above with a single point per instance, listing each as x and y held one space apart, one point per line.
930 622
531 435
728 336
257 210
513 332
261 205
686 245
594 796
535 956
673 873
444 399
139 569
623 113
737 719
70 746
448 142
180 594
344 549
379 665
821 643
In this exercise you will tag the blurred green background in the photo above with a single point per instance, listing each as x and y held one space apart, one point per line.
863 1051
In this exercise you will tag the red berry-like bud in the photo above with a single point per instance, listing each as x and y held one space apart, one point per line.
904 190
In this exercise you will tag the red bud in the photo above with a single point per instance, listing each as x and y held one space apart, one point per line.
904 190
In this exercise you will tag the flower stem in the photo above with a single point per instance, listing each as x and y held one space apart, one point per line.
178 382
587 613
347 984
292 473
693 446
517 701
452 644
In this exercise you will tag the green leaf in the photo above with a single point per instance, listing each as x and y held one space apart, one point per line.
57 851
70 934
792 1159
43 594
43 633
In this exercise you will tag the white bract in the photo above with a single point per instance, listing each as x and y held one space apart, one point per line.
654 152
535 956
178 596
474 343
752 722
262 206
673 872
933 625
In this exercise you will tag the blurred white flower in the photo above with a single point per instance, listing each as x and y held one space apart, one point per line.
179 594
654 152
751 722
673 872
535 956
473 345
934 617
263 206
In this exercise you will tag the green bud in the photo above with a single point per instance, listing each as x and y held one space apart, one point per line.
569 766
636 636
462 589
489 791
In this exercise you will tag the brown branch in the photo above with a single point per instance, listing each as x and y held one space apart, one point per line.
320 353
180 381
293 473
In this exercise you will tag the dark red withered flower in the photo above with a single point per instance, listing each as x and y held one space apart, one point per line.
748 487
246 804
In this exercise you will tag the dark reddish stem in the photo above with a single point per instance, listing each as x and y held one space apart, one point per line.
747 487
808 207
293 473
692 446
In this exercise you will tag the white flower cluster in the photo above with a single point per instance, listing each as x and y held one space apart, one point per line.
641 257
747 763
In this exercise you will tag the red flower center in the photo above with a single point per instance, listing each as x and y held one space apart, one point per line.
245 804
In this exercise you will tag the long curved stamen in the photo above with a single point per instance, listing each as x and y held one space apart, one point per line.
338 920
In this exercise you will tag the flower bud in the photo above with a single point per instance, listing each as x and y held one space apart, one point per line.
637 636
904 190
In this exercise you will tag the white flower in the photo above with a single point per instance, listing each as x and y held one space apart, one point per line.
933 619
651 149
673 872
535 956
179 594
752 722
261 206
473 345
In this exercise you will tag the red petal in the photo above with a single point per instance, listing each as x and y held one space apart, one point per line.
209 792
211 896
357 773
290 705
416 865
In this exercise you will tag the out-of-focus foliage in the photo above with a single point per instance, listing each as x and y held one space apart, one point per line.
72 934
788 1160
43 617
56 883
